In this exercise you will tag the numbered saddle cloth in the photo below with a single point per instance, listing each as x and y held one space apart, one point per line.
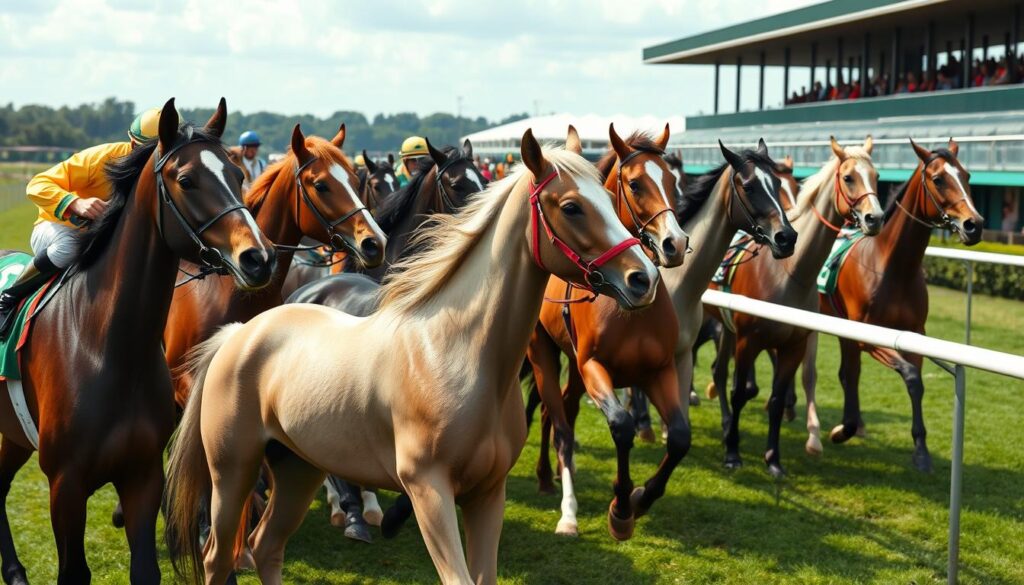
829 274
10 268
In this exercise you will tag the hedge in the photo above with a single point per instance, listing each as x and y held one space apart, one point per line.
991 279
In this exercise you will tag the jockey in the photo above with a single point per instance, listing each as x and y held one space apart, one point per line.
359 162
414 148
249 142
69 195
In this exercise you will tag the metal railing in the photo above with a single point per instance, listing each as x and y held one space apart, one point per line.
938 350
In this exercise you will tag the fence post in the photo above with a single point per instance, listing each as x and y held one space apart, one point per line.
955 476
970 290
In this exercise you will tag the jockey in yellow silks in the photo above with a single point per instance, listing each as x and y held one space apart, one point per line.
414 148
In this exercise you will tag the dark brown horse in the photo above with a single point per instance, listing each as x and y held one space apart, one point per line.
312 192
881 282
93 372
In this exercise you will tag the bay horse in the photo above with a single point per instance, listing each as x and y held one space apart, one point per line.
422 396
882 282
94 376
311 192
844 190
376 181
608 348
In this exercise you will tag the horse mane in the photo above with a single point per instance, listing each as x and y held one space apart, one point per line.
260 188
822 179
638 140
396 205
674 162
446 240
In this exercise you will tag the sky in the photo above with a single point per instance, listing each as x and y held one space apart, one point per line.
490 59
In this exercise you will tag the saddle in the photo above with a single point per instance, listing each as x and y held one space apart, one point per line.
828 277
742 249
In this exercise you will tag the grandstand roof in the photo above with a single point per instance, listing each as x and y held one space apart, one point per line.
592 128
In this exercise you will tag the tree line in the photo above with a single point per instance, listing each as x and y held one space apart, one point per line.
89 124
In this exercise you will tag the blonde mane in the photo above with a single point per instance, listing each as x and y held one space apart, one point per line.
447 240
318 147
823 179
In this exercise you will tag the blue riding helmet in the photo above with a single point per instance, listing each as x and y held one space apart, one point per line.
249 138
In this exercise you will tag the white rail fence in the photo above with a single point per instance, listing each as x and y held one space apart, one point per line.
938 350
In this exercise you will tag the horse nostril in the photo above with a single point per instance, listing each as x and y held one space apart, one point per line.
783 239
254 265
638 282
969 226
369 247
870 219
668 247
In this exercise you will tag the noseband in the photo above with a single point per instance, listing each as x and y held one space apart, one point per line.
640 227
851 203
754 230
210 258
945 221
591 270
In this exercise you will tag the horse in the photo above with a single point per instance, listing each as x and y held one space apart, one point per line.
844 190
311 192
421 396
675 164
376 181
94 378
881 282
608 348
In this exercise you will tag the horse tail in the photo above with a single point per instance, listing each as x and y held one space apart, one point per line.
188 474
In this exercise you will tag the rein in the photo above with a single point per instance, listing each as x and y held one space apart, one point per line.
337 241
851 203
945 222
754 230
640 227
591 270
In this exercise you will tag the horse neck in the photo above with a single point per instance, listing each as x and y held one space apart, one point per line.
129 288
483 316
611 183
276 216
902 241
425 202
815 237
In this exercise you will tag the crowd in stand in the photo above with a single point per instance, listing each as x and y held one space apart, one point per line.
983 73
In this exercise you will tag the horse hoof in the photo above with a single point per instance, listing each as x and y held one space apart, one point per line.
373 516
16 577
733 462
694 399
620 528
567 528
338 520
862 432
635 502
546 487
776 471
117 518
359 532
923 462
646 435
789 414
245 561
712 391
813 446
838 435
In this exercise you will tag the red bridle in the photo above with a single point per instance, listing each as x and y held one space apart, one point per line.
851 203
589 268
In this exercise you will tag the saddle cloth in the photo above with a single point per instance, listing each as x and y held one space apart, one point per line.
829 274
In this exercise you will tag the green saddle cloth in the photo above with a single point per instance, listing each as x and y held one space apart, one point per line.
829 275
10 268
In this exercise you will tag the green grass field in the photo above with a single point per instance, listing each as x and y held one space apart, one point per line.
859 514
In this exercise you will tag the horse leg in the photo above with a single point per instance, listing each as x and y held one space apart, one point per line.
666 396
545 357
744 356
482 517
810 381
346 509
295 485
909 368
720 376
567 523
599 387
371 507
433 498
532 394
12 458
140 495
786 364
395 516
849 379
68 499
638 409
233 480
710 330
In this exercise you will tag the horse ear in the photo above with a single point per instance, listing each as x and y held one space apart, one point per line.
467 149
533 156
762 148
339 138
618 145
869 143
954 147
437 155
370 165
391 159
662 139
837 150
922 152
299 145
168 126
572 141
215 125
731 157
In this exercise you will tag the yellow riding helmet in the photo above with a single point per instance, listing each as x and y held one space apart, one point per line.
414 146
360 161
146 125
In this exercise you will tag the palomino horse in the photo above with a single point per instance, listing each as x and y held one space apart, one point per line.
845 189
311 192
422 396
94 376
615 349
881 282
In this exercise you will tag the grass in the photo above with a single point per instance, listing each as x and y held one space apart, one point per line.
859 514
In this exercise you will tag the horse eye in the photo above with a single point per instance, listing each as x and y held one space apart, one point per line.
185 182
634 186
938 180
848 178
320 186
572 209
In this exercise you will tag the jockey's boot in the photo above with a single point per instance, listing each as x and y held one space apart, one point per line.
35 274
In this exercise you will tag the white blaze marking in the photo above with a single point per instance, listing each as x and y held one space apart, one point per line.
767 183
472 175
596 194
338 172
789 193
953 172
215 166
655 173
390 180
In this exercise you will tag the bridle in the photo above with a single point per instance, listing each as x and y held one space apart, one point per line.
592 276
755 230
210 259
945 222
439 183
850 203
639 227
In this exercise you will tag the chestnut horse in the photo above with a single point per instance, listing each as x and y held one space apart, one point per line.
608 348
845 189
94 377
881 282
422 396
312 193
